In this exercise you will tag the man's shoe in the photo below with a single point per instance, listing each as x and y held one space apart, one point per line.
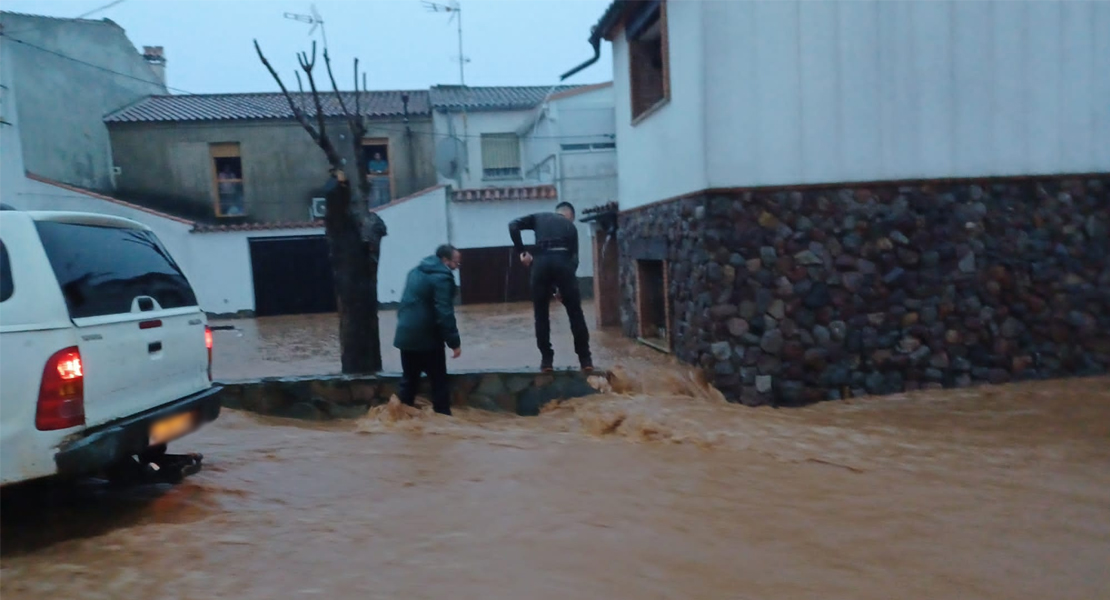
587 364
547 365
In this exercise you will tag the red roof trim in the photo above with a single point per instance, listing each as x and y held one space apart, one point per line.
528 192
64 186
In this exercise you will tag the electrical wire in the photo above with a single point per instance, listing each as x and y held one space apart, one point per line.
77 18
96 10
246 103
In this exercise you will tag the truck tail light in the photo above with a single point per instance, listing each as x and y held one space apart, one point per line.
61 402
208 344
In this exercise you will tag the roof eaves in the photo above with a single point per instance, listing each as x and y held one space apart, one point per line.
608 20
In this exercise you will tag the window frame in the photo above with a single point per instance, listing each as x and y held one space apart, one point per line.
382 141
217 150
519 158
586 148
640 113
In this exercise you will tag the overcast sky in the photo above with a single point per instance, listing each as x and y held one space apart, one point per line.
400 44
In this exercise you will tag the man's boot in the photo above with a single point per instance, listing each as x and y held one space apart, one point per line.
547 364
587 363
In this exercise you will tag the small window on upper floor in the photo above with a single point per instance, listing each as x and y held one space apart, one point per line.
648 66
375 152
227 168
500 156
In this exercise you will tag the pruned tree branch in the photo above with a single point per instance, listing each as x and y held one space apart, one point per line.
307 65
338 95
300 87
320 136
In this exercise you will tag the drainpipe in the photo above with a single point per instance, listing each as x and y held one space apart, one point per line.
595 41
409 144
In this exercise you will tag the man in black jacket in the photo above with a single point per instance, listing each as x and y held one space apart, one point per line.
425 324
556 263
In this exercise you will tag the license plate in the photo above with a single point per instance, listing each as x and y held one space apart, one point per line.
171 428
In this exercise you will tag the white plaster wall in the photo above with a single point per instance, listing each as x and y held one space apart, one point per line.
472 126
222 260
36 195
814 92
11 149
664 155
486 225
588 179
416 227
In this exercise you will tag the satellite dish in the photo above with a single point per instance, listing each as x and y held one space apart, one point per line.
450 157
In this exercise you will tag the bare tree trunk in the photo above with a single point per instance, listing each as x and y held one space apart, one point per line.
354 234
355 266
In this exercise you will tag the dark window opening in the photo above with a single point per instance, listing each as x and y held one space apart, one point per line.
647 57
104 270
228 168
7 286
651 279
588 147
375 155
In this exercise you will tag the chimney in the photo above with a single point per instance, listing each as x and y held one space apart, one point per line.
157 61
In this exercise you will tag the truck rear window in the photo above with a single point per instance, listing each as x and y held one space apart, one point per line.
102 270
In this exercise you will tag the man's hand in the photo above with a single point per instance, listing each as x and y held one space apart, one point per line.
457 352
526 259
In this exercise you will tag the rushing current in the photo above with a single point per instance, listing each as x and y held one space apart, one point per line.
656 488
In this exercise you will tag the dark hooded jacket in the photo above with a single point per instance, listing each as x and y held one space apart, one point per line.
426 318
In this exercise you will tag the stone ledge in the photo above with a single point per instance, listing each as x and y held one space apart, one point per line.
326 397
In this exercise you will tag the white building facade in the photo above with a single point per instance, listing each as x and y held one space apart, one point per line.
787 165
509 152
792 92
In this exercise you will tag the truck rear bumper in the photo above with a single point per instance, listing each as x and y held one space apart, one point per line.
108 444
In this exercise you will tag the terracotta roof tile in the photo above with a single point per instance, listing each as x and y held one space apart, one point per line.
530 192
243 107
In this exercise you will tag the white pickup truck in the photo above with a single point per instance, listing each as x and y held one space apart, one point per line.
105 356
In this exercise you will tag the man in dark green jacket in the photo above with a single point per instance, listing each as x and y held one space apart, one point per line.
425 324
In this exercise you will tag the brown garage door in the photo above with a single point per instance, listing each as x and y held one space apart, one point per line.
492 275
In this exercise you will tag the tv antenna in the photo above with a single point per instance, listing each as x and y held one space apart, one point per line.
313 19
456 12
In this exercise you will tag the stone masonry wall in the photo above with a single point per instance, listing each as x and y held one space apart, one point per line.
789 297
345 397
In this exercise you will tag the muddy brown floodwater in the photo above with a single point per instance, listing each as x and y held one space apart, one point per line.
658 489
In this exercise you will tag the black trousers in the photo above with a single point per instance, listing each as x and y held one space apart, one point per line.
557 270
434 363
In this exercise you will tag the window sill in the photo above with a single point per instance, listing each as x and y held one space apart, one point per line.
651 111
513 178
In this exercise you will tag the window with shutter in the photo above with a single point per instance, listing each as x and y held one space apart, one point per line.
500 156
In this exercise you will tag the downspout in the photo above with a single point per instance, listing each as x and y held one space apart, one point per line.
411 151
595 41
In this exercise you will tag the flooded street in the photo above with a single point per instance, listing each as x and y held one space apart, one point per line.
493 336
658 489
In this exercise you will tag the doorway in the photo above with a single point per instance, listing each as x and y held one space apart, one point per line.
652 303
